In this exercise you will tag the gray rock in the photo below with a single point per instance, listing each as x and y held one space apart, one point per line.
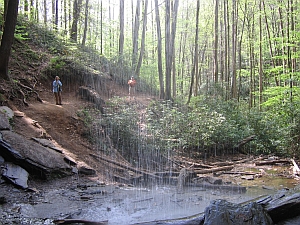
7 111
4 121
15 174
32 156
227 213
83 169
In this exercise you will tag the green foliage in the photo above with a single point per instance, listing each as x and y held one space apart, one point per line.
203 125
89 116
21 33
86 116
57 63
121 123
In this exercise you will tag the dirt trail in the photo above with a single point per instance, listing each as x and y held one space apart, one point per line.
61 124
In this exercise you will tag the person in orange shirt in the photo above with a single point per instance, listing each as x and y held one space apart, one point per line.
131 83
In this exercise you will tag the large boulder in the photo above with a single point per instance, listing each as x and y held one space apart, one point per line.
227 213
38 160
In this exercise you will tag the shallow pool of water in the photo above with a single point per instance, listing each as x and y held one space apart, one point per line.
137 205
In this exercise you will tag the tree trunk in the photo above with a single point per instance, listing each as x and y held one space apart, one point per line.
159 51
195 53
269 40
226 54
168 51
121 37
234 41
173 34
45 12
8 37
260 59
76 15
86 17
138 67
56 15
216 43
26 11
135 35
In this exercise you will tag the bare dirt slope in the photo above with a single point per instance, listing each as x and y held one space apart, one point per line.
61 124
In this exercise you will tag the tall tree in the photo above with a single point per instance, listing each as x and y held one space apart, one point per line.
32 10
45 12
56 15
121 37
86 17
216 41
168 50
26 8
139 64
8 36
159 52
226 47
260 56
173 35
269 40
234 48
135 35
101 28
195 54
76 15
170 43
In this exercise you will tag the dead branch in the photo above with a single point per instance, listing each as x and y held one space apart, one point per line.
125 166
194 164
271 162
222 164
222 168
243 160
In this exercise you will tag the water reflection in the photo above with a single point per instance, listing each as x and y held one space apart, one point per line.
130 205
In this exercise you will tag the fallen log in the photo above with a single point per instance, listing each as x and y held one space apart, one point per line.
243 160
73 221
272 162
193 164
221 164
222 168
233 188
240 173
145 173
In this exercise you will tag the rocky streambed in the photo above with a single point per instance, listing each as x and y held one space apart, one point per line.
86 199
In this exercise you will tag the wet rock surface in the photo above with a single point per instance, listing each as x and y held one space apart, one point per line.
227 213
86 198
81 198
